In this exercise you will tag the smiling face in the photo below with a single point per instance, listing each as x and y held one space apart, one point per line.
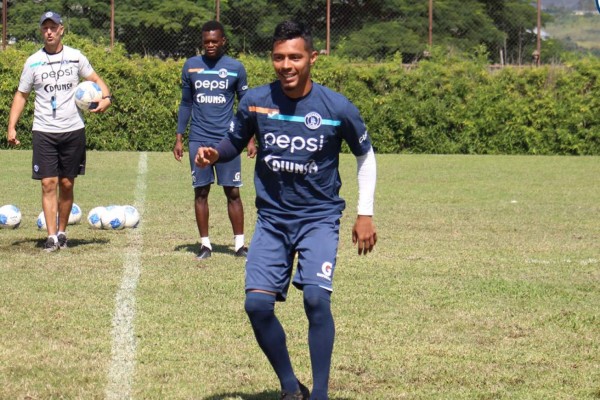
51 34
292 61
213 43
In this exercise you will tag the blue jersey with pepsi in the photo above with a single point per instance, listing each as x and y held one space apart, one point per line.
299 141
208 91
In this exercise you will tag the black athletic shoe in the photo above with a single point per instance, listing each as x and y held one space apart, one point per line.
204 253
301 394
51 245
242 252
62 240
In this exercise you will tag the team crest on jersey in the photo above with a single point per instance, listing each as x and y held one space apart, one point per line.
312 120
222 73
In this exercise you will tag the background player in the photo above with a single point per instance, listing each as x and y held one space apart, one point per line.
209 84
299 127
59 154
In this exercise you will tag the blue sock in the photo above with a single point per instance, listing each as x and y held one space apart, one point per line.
321 334
270 336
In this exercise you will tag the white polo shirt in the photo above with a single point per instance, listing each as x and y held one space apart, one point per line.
55 77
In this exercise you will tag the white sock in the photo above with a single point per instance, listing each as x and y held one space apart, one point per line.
205 241
238 241
59 232
53 238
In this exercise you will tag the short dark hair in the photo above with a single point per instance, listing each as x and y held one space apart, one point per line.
288 30
213 26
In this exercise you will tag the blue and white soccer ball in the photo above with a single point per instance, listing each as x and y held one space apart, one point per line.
41 221
113 218
87 95
10 216
94 217
75 215
132 216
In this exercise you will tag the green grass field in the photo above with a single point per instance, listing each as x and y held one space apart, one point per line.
485 284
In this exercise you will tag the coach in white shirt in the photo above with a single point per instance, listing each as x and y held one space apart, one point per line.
58 133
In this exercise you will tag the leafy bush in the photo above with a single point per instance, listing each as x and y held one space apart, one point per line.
448 103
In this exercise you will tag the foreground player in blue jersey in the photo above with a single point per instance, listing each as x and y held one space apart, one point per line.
299 127
209 85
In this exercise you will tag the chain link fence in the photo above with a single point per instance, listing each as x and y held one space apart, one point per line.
507 30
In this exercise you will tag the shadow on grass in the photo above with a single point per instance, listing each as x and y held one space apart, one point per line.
195 248
72 243
39 243
267 395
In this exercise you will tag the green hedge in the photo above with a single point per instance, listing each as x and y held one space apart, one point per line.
446 104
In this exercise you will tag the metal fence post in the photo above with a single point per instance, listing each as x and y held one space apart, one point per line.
4 21
430 23
537 56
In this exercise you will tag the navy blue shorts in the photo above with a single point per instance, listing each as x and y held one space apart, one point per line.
58 154
228 174
276 244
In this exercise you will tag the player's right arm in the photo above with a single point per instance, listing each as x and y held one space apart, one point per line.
178 147
184 114
18 105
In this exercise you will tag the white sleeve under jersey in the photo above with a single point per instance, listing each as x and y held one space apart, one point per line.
367 176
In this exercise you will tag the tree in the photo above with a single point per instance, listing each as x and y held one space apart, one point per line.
162 28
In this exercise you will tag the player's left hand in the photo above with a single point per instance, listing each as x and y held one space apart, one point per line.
364 234
102 106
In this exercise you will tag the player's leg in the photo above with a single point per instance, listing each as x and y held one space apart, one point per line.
229 176
321 335
235 210
44 163
65 202
202 179
202 213
268 272
317 250
270 336
50 203
72 162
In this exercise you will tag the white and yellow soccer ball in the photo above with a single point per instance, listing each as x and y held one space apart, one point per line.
10 216
113 218
87 95
132 216
94 217
75 215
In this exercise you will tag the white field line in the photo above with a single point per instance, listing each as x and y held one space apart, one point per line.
122 365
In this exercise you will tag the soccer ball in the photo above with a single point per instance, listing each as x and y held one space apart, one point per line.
75 215
94 217
113 218
132 217
41 221
10 216
87 95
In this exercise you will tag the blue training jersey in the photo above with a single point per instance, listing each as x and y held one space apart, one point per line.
299 142
208 90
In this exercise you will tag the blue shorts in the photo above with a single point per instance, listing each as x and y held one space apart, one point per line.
228 174
274 247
